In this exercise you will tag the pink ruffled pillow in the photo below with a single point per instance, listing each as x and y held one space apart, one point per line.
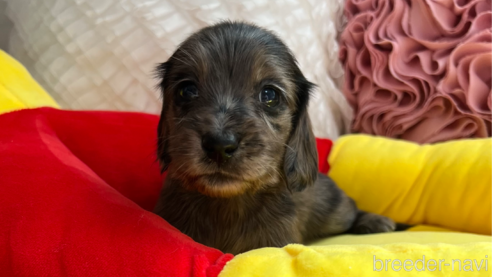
419 70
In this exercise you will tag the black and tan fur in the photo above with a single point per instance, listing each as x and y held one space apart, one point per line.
268 193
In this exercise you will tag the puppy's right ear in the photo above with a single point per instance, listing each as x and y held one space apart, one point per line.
162 129
301 154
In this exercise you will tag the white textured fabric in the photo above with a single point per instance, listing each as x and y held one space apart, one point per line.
100 54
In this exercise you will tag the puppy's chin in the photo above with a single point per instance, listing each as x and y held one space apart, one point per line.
219 185
223 186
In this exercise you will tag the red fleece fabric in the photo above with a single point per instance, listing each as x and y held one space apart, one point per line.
76 189
324 147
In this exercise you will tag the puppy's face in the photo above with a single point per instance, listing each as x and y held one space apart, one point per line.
234 113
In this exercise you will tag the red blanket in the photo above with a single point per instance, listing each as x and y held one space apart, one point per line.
76 189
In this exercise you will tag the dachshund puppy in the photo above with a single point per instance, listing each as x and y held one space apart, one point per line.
236 139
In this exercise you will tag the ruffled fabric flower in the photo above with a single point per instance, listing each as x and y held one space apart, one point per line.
418 70
468 78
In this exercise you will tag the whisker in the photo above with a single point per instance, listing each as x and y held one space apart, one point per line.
289 147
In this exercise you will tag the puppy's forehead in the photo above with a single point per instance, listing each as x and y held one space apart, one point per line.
236 55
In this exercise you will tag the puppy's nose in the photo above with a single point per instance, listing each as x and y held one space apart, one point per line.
219 148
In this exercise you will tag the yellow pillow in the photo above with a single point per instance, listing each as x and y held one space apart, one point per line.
18 90
398 259
445 184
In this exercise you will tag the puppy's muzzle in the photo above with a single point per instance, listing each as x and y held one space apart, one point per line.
220 147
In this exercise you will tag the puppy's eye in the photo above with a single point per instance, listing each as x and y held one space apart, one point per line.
269 97
188 92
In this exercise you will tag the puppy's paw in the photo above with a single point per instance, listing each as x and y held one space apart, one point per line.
369 223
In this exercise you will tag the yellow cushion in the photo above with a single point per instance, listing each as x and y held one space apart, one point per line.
366 255
366 260
446 184
18 90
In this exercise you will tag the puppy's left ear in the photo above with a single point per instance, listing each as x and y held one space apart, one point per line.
301 155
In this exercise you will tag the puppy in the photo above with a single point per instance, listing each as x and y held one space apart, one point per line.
236 139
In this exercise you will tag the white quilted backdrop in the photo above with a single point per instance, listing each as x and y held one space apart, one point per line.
100 54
